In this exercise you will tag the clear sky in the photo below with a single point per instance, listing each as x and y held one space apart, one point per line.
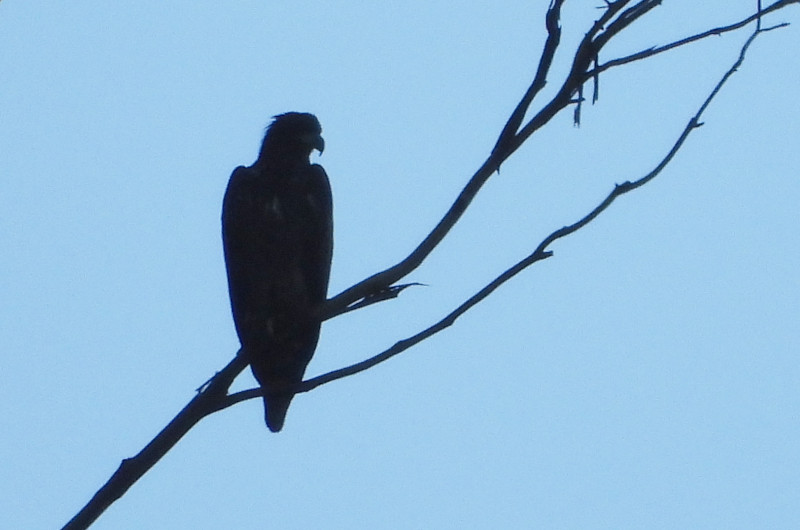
646 376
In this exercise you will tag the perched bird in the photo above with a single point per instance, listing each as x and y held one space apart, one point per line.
277 232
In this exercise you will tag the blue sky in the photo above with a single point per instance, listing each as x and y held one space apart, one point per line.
646 376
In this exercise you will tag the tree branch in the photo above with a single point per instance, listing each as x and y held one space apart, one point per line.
508 142
539 80
212 396
131 469
656 50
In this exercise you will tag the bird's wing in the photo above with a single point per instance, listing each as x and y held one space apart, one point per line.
318 230
247 237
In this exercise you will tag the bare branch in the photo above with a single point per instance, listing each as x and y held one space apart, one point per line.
444 323
649 52
587 52
382 280
507 144
385 294
628 17
131 469
539 80
626 187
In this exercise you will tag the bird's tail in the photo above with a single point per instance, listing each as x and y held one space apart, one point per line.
275 407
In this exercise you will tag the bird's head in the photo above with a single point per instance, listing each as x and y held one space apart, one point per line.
293 134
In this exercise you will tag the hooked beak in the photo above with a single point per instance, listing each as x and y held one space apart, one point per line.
319 144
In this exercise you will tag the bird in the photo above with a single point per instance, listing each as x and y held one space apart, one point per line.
277 234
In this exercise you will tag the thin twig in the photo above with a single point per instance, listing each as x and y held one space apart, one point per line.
656 50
